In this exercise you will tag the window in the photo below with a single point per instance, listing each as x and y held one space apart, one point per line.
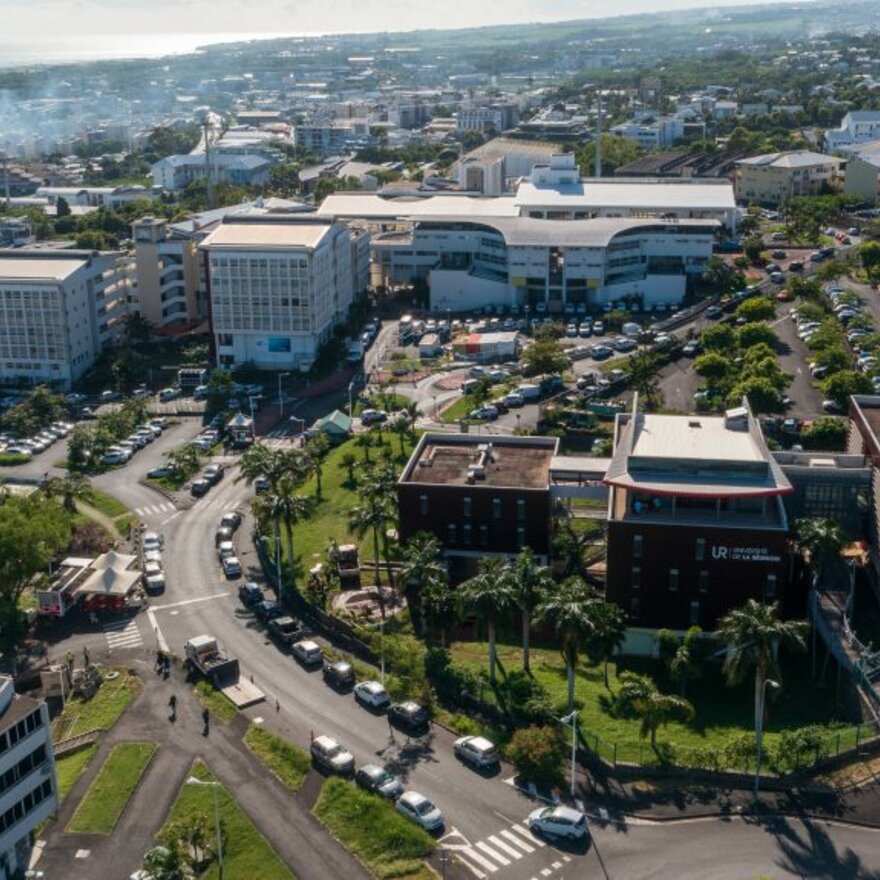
520 508
636 577
638 546
468 534
484 536
703 582
467 505
521 537
695 612
673 579
700 554
770 587
423 504
635 607
496 507
452 533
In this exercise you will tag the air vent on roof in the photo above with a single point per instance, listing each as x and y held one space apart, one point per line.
475 472
694 424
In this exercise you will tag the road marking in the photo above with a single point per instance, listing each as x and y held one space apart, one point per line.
154 509
556 866
470 853
173 516
509 835
527 835
163 645
492 853
123 634
504 847
546 872
187 602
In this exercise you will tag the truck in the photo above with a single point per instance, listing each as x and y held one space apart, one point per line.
285 630
204 655
529 392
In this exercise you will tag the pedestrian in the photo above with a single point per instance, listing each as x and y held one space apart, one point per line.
390 728
160 660
172 701
277 705
86 655
206 717
70 661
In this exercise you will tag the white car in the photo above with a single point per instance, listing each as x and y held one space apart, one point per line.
152 541
308 653
372 694
477 751
330 755
225 550
417 808
558 821
232 567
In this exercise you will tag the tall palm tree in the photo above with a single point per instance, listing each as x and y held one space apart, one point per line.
572 612
642 370
270 506
316 452
71 488
349 461
401 427
531 582
411 415
822 539
421 563
438 605
609 631
373 516
754 634
291 508
273 464
654 708
489 594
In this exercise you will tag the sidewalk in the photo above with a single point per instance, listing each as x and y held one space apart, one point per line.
284 819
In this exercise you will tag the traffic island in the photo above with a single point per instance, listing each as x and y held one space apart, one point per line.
374 832
287 762
100 809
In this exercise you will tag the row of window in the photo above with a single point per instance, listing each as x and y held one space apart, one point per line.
26 765
674 581
467 503
20 730
635 610
467 535
26 805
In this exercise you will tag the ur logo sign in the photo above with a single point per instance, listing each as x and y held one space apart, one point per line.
719 552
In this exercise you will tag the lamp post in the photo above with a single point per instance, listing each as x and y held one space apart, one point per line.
194 780
280 396
759 729
350 390
571 720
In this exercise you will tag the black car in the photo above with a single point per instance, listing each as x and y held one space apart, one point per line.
408 715
268 610
379 781
251 594
231 520
199 488
213 473
339 675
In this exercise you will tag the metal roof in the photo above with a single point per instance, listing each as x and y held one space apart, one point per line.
626 193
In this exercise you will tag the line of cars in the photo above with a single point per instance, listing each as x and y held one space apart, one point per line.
122 451
152 545
28 447
226 553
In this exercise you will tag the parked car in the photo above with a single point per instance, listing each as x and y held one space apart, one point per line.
417 808
484 413
514 400
373 416
477 751
232 567
308 653
376 779
250 594
691 349
199 488
714 312
339 675
223 535
225 549
601 352
213 473
372 694
268 610
262 484
231 520
558 821
326 752
167 394
408 715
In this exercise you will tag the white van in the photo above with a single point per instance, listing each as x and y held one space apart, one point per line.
631 329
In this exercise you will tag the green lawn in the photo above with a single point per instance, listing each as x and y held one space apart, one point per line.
459 410
246 853
103 710
103 803
107 504
387 843
329 519
9 459
70 767
289 763
218 704
722 712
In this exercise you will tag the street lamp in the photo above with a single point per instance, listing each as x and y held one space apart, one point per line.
350 390
571 720
194 780
280 397
759 728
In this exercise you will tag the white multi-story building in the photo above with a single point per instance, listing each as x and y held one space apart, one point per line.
58 310
654 133
496 117
559 240
278 286
176 172
856 128
28 786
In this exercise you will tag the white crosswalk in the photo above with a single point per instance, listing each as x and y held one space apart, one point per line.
155 509
220 505
496 851
123 634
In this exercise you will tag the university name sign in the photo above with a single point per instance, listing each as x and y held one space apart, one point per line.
745 554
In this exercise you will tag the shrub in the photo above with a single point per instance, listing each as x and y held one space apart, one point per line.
521 694
538 754
90 539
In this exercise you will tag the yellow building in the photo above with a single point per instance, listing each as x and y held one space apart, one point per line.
774 177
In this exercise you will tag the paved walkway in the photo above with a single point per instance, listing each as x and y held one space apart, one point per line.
284 819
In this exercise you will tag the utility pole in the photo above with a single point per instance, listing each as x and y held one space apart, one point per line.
206 129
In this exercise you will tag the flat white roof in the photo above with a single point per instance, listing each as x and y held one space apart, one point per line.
31 269
634 194
374 207
267 235
693 437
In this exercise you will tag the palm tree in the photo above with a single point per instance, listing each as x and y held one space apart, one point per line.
372 516
401 427
655 709
572 612
609 632
270 505
291 508
531 582
821 539
70 489
642 370
316 451
421 563
366 442
411 415
488 594
754 634
438 605
260 461
349 461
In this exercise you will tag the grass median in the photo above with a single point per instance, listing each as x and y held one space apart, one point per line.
369 826
70 767
102 805
247 855
217 703
103 710
289 763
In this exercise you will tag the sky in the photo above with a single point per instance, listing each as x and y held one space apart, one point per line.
24 20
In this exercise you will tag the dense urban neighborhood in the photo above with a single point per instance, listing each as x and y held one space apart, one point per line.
451 453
